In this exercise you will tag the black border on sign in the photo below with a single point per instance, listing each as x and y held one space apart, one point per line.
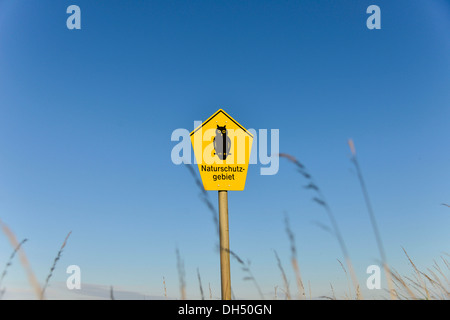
227 115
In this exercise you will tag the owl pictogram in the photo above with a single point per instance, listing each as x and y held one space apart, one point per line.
222 143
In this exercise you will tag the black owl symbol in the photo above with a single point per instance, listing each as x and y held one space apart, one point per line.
222 143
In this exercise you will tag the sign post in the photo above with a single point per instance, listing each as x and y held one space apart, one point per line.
222 150
225 273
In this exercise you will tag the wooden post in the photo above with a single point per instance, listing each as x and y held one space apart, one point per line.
224 245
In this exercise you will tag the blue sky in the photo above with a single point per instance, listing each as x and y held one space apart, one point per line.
87 116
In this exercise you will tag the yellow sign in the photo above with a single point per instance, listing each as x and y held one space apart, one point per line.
222 149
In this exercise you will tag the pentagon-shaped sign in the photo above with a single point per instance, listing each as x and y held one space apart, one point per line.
222 150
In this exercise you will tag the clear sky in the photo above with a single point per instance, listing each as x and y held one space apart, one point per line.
86 118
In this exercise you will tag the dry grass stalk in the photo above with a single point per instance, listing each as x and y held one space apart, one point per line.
301 288
11 257
298 278
437 284
372 219
58 256
181 275
210 292
438 269
309 285
422 283
396 276
446 262
111 293
23 259
348 280
200 284
416 286
389 281
283 274
165 289
333 297
246 268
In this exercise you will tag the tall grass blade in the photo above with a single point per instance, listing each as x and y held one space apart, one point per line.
165 289
23 259
58 256
294 262
11 257
200 285
181 275
283 274
111 293
372 219
422 283
246 268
